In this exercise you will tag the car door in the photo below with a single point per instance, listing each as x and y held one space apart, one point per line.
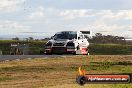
80 40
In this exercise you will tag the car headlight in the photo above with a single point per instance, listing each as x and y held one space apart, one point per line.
49 44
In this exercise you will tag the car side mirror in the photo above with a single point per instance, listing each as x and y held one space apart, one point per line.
78 38
51 37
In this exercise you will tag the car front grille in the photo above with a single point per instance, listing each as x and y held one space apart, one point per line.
58 49
58 44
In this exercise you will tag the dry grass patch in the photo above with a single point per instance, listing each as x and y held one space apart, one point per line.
60 72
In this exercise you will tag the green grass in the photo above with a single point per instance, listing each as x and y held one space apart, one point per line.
34 46
94 49
110 49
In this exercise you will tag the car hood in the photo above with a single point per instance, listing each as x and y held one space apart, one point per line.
61 41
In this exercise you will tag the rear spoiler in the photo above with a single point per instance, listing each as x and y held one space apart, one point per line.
85 32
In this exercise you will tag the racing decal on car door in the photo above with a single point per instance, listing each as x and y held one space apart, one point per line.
84 50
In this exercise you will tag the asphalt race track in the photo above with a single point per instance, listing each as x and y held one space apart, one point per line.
19 57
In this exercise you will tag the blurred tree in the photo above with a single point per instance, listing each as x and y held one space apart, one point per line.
16 38
99 38
30 38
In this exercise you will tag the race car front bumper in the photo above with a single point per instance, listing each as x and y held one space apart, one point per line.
58 50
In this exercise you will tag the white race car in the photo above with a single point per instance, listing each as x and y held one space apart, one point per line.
74 42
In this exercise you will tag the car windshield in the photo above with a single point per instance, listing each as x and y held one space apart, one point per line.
66 35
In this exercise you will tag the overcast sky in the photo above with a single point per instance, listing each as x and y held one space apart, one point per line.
49 16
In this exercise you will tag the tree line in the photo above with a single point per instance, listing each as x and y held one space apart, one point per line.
99 38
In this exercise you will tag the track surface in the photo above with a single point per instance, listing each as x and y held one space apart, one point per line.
13 57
